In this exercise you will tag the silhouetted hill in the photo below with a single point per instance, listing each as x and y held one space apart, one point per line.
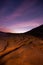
38 31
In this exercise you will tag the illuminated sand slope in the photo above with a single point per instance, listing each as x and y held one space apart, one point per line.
22 49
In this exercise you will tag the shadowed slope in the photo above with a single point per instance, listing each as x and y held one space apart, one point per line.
38 31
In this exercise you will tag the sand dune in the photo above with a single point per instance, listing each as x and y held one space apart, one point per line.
22 49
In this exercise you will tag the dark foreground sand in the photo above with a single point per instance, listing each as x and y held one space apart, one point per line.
20 50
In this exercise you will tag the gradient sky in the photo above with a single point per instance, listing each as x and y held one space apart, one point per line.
18 16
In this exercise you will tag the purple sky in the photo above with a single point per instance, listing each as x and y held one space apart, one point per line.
18 16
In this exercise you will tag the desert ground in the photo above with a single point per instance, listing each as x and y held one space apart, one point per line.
21 49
